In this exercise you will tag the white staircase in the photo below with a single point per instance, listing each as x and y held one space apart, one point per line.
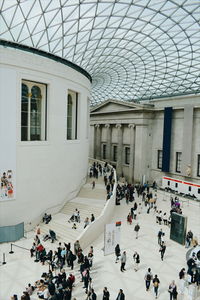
89 201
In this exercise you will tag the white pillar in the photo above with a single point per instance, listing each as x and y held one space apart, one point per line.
108 142
92 141
132 152
140 168
97 141
119 149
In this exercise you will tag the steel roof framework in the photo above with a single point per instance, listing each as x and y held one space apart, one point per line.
133 49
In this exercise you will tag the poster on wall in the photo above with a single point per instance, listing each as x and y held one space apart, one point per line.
8 134
111 237
6 184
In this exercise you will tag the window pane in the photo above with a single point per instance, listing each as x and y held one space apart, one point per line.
178 161
198 165
35 114
159 159
24 133
33 111
127 155
104 151
69 117
114 153
24 113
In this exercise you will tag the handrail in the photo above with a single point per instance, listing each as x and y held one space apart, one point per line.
93 230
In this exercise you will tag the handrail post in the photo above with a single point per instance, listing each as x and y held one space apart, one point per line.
11 250
4 259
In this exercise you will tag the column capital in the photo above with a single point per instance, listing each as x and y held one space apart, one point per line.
107 125
118 126
96 125
131 126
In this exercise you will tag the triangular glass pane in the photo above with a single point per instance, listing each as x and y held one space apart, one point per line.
35 9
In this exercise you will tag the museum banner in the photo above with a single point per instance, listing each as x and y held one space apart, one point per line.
111 237
7 137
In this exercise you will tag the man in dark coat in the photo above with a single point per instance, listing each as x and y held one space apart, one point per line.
106 294
121 295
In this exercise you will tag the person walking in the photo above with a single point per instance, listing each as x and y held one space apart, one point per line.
189 238
136 229
117 252
86 222
182 281
148 277
173 290
162 250
123 262
106 294
120 295
76 247
93 295
136 258
160 233
156 283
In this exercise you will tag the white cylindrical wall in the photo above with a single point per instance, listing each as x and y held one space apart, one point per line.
50 172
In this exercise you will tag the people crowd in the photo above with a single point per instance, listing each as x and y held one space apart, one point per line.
59 283
147 202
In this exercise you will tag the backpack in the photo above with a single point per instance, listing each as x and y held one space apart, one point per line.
137 227
148 277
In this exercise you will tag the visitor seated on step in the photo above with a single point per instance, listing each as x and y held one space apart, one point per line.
52 235
75 216
74 226
47 218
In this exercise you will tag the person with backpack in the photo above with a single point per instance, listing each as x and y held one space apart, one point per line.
156 283
136 229
148 277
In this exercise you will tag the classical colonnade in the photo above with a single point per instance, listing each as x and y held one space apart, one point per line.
97 141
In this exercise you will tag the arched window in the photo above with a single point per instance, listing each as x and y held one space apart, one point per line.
33 111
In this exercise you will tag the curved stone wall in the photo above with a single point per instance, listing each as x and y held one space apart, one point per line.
44 173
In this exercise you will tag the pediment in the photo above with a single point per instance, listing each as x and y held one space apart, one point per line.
114 106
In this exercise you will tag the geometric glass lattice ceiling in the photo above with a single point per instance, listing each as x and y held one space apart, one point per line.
133 49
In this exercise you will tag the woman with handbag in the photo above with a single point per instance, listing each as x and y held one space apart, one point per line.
173 290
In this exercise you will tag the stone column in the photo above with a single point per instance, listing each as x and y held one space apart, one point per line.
92 141
132 152
119 149
108 142
97 141
141 151
186 163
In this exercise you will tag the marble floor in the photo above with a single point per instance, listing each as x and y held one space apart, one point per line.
21 269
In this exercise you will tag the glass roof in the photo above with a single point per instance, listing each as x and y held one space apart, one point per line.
133 49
